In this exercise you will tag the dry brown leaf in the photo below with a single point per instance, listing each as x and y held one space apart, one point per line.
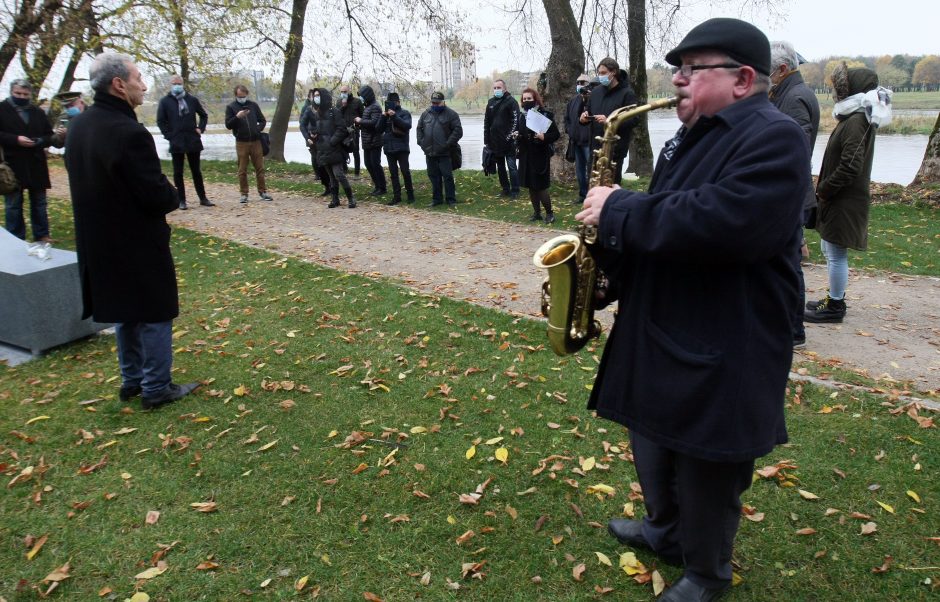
152 517
578 571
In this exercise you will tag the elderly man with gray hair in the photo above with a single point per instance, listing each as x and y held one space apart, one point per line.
25 132
120 199
793 97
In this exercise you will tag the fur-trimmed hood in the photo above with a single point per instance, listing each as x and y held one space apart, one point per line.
846 81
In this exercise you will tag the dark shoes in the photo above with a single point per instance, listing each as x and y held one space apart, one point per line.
630 533
825 311
436 203
183 205
334 203
394 201
206 203
411 197
549 218
684 590
129 392
377 192
535 217
799 341
326 192
352 204
170 394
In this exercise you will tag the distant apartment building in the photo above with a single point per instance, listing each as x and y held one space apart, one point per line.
453 70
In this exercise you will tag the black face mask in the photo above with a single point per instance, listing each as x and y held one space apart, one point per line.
528 104
20 102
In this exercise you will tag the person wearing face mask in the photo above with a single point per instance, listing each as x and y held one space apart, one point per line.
535 155
120 199
176 118
613 92
308 129
395 124
329 135
67 105
439 130
580 133
351 107
245 119
25 132
498 120
372 139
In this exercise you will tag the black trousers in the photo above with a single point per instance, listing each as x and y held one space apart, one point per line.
194 168
693 508
373 160
323 174
396 162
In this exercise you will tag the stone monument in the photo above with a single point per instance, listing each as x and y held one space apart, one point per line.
40 297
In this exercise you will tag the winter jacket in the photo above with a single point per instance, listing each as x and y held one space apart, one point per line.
535 155
498 122
843 188
439 132
579 133
604 101
794 98
249 127
702 268
396 131
120 198
330 131
180 130
371 134
29 164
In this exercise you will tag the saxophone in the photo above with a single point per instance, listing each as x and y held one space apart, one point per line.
574 280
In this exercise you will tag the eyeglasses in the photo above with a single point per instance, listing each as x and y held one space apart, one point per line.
688 70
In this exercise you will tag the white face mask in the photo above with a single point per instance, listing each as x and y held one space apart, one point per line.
241 99
316 100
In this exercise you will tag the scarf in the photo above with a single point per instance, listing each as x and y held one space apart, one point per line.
876 104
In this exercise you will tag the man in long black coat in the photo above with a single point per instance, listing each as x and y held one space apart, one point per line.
120 199
176 118
24 133
498 124
697 362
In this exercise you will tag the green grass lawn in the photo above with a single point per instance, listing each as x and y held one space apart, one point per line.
297 358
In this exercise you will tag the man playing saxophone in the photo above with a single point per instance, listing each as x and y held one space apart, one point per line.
697 361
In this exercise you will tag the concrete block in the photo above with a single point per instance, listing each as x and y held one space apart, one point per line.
40 300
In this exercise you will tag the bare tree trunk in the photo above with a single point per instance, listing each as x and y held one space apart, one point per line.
285 98
25 25
641 153
564 65
182 44
929 172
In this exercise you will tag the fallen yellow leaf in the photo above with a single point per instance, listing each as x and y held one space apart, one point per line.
502 454
913 496
471 452
603 559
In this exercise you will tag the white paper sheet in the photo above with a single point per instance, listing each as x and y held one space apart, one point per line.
537 122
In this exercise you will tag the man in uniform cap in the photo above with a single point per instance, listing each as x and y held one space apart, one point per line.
697 362
72 105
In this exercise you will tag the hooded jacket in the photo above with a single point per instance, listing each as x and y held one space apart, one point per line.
330 131
604 101
843 188
371 135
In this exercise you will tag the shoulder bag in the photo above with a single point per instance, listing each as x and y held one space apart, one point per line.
8 181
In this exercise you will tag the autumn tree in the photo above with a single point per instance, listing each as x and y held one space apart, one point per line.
927 72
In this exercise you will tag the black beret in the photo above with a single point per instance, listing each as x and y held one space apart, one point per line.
738 39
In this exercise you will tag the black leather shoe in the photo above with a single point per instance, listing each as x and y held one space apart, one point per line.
394 201
630 533
684 590
128 393
183 205
206 203
170 394
333 204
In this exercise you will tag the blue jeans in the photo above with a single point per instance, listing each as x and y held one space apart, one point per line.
145 355
441 175
799 331
38 218
511 184
582 167
837 263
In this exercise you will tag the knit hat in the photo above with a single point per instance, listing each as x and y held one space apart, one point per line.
740 40
392 97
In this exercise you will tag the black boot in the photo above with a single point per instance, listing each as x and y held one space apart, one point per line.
350 201
335 201
326 191
395 200
183 205
828 311
411 196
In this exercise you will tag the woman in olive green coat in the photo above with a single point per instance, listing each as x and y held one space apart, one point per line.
843 188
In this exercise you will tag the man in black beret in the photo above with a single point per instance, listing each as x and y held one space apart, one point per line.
697 362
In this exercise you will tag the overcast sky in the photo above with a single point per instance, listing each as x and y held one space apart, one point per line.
816 28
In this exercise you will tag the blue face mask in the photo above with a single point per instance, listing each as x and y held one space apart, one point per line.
579 88
316 100
497 93
603 79
361 99
176 89
344 95
437 108
72 111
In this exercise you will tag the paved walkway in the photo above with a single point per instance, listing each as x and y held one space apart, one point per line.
892 330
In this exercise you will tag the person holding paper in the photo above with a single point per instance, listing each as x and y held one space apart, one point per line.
535 133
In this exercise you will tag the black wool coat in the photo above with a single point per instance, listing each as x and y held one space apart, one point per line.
604 101
120 199
180 130
535 155
701 266
795 99
498 122
29 164
330 130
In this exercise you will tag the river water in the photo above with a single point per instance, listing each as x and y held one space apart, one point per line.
897 158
